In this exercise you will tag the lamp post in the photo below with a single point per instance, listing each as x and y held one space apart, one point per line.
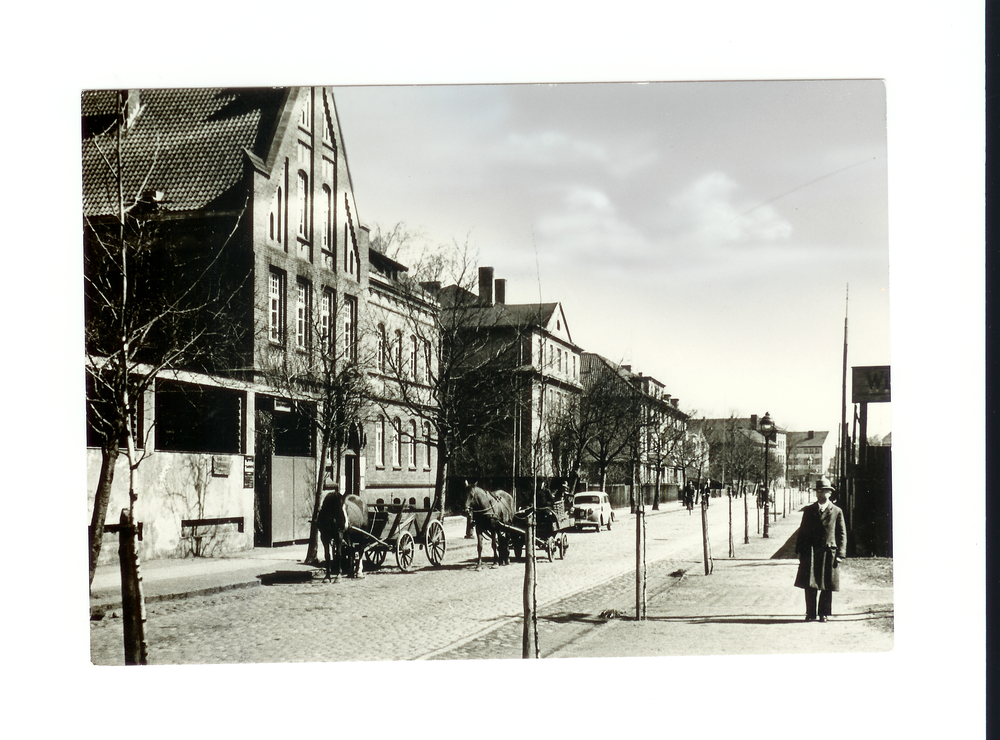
766 428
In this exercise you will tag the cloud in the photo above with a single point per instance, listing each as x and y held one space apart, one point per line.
549 148
708 213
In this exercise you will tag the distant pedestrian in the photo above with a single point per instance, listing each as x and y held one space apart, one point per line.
821 545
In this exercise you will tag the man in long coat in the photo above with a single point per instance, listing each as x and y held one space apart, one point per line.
821 545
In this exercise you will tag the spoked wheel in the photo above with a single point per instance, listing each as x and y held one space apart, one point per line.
405 548
550 548
375 557
435 543
563 546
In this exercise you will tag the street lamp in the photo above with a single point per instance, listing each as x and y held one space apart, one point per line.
766 428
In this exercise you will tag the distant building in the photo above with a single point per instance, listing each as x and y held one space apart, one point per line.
530 344
809 455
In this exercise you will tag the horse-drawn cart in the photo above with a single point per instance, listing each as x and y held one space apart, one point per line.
400 529
551 524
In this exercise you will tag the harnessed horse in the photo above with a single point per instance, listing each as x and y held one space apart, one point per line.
487 509
337 513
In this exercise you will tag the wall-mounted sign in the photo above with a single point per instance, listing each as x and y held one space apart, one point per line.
248 471
221 465
870 384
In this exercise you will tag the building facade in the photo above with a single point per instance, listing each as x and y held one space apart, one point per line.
246 199
809 456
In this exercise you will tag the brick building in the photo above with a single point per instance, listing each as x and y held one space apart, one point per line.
251 188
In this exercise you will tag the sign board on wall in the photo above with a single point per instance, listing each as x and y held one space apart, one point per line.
870 384
248 471
221 465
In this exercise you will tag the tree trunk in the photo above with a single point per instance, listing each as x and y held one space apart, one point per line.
529 640
704 536
133 604
746 515
109 456
312 551
732 544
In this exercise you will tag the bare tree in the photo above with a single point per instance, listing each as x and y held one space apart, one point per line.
464 376
329 380
158 295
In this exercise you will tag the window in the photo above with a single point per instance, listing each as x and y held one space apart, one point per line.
274 218
412 444
397 443
101 415
304 154
276 294
327 169
427 361
351 327
559 359
197 418
380 442
303 198
326 322
305 115
383 350
427 445
413 357
303 309
327 217
574 366
398 351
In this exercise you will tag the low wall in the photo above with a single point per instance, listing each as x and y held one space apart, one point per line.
173 487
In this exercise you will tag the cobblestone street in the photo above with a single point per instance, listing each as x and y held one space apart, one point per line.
391 615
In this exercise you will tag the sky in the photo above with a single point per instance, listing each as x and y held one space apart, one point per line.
706 233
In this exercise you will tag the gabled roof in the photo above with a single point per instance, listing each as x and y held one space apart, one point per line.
522 315
191 144
795 439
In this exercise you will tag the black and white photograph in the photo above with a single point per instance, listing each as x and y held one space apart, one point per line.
574 401
519 369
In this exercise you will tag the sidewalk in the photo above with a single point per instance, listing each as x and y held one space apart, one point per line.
177 578
748 605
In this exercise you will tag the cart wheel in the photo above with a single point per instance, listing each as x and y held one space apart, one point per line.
563 546
550 548
375 557
435 543
404 551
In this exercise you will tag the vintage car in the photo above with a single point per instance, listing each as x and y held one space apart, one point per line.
592 508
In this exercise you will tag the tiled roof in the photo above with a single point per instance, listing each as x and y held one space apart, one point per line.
187 143
796 439
522 315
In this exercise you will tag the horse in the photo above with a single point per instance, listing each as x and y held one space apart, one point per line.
487 510
336 514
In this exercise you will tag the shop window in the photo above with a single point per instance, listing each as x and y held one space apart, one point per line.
197 418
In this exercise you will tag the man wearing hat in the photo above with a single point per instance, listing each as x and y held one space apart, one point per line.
821 544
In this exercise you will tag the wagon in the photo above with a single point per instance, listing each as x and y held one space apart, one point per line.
399 529
551 524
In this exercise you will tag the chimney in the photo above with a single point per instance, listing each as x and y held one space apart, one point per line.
500 291
432 286
753 421
674 402
809 435
627 368
486 286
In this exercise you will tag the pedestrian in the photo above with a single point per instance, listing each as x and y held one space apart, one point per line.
821 545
